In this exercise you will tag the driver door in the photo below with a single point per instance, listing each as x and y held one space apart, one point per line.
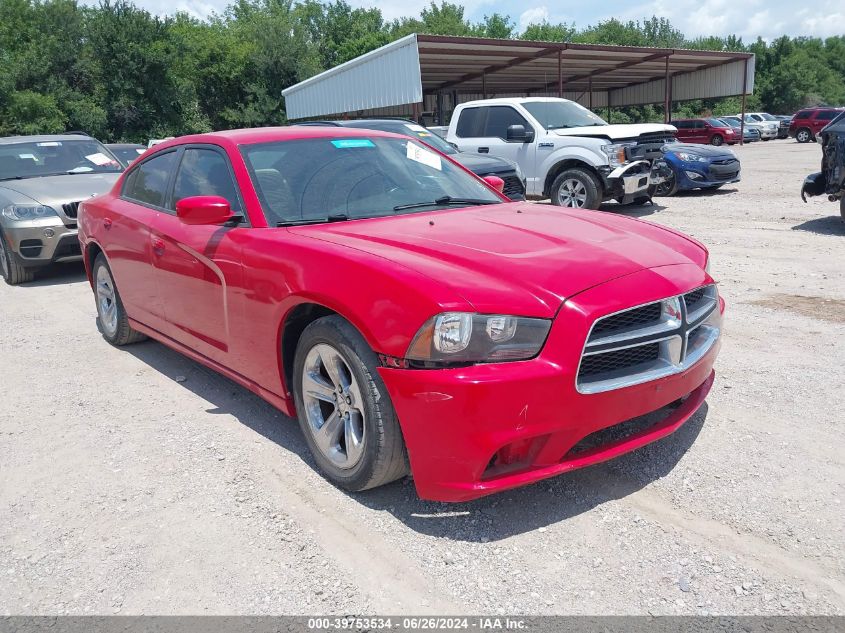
199 267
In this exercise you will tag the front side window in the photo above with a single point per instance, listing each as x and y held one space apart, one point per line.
147 182
54 158
205 172
500 118
318 179
555 115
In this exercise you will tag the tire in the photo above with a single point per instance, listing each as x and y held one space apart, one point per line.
353 400
716 140
576 188
667 188
804 135
11 270
842 207
111 316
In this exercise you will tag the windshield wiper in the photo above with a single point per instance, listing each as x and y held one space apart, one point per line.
334 217
444 201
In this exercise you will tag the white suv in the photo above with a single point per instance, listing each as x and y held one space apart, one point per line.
566 152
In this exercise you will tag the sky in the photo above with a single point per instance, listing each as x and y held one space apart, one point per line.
747 18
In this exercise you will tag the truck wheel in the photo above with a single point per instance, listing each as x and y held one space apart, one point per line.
13 273
576 188
716 140
803 135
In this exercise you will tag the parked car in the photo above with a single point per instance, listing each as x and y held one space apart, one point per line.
783 124
42 180
831 179
567 153
698 167
126 153
807 123
712 131
749 134
768 129
481 164
408 314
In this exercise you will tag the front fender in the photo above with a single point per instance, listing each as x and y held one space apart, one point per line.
548 158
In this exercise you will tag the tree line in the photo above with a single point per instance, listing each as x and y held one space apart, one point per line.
121 74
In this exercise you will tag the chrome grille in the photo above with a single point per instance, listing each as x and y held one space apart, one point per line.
650 341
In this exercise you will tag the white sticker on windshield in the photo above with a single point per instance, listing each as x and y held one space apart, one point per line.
415 128
49 144
427 158
99 158
140 151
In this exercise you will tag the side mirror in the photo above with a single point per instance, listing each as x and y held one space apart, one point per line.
204 210
495 182
518 134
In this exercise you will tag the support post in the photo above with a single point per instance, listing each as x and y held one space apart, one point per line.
560 74
440 117
590 87
417 112
484 85
667 99
742 116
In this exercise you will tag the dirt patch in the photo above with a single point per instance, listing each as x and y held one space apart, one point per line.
823 308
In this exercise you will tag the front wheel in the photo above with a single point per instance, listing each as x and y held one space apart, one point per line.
803 135
111 316
344 409
668 187
13 273
576 188
716 140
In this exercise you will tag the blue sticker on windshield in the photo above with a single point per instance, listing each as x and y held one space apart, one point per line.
353 142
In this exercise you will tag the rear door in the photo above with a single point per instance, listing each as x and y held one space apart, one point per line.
199 266
822 118
684 130
127 237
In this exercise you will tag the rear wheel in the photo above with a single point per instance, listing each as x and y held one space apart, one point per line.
13 273
803 135
111 317
344 409
717 140
576 188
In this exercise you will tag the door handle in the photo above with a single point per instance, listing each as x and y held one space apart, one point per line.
483 150
158 246
107 223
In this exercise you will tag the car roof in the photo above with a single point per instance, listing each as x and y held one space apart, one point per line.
358 122
511 100
43 138
251 136
128 145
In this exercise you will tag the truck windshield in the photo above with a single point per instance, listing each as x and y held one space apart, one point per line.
554 115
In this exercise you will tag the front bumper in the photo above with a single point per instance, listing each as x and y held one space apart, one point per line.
42 242
631 181
455 421
768 133
697 175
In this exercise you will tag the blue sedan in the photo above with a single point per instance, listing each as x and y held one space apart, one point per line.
697 167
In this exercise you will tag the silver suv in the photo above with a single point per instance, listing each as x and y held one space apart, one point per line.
42 181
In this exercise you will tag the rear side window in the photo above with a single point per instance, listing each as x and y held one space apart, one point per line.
826 115
147 183
205 172
500 118
682 125
698 125
471 123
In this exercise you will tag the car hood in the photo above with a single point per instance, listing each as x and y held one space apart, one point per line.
618 132
702 150
516 258
481 163
56 190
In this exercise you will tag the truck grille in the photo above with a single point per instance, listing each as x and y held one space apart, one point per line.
513 187
650 341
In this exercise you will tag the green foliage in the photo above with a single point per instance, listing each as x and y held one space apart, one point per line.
120 73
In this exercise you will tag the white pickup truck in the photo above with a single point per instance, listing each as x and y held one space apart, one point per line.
566 152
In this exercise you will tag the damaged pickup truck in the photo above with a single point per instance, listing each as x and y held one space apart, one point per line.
567 153
831 179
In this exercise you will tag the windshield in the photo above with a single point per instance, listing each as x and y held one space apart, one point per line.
769 117
51 158
325 179
127 153
554 115
426 136
717 123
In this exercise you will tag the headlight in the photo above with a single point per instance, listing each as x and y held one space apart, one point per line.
616 153
23 212
690 158
465 337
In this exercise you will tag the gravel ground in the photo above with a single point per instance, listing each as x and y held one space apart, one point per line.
136 482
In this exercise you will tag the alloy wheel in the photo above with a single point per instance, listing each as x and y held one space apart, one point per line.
572 193
803 136
334 406
106 301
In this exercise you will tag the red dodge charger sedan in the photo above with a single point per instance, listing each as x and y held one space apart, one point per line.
410 316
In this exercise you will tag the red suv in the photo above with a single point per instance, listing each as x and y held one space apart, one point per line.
806 124
712 131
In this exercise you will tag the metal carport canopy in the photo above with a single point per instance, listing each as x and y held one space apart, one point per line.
419 71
